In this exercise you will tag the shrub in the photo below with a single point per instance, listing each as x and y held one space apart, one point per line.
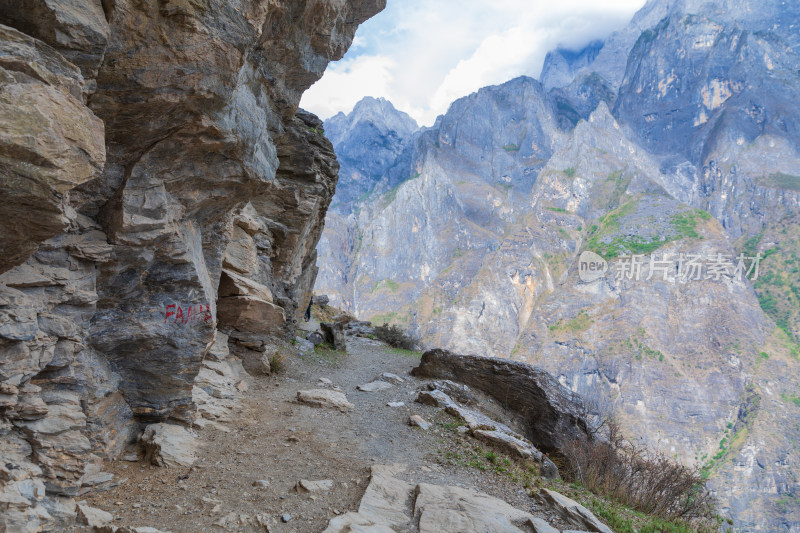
277 362
395 336
646 481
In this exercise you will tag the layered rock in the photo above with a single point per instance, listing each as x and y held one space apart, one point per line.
551 415
147 148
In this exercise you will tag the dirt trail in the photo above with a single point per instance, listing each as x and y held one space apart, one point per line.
275 439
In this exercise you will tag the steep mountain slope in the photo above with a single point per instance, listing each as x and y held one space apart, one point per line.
674 140
368 141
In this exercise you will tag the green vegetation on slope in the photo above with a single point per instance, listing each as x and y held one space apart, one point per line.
385 285
778 283
578 324
735 434
606 239
781 181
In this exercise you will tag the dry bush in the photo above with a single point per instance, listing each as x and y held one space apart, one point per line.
277 361
395 336
646 481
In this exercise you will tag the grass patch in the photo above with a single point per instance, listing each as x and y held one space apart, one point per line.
685 223
511 147
578 324
781 180
791 398
277 362
385 285
325 353
605 238
404 352
569 172
778 283
557 209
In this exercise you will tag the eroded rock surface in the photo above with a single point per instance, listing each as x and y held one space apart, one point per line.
159 184
392 504
553 414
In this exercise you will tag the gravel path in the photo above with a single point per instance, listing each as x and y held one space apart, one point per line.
275 439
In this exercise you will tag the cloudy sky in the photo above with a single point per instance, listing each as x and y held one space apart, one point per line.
423 54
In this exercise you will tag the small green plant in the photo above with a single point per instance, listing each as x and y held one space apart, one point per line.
511 147
569 172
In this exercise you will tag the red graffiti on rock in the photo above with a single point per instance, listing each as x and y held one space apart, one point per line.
176 314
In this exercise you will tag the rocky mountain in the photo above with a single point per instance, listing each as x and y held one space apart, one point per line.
161 195
670 151
368 141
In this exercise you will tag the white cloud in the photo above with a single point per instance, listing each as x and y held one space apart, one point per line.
347 82
423 54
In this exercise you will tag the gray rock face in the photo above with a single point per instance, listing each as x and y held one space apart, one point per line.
367 142
42 94
172 188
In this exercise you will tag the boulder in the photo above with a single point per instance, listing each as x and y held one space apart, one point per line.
418 421
169 445
304 346
383 508
435 398
571 511
315 338
509 443
324 398
321 300
392 378
457 391
446 509
554 415
250 314
323 485
359 328
93 517
375 386
333 333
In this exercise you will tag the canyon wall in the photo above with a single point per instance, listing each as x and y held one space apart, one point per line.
158 183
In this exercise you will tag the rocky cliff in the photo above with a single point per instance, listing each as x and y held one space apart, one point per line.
158 184
673 139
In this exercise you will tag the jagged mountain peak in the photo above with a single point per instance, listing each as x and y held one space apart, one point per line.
380 113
